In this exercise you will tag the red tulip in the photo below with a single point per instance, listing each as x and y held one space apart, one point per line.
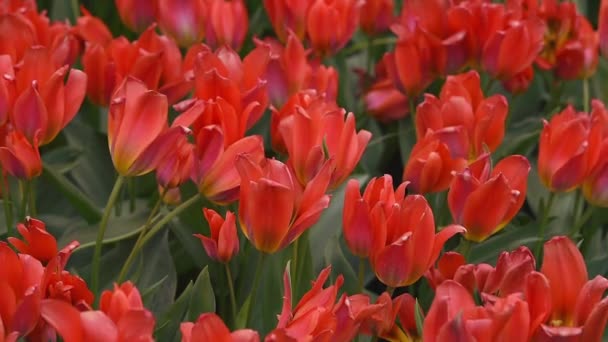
288 16
408 235
37 242
137 15
210 327
574 305
569 149
331 24
430 165
484 201
603 27
352 313
223 243
382 99
227 24
92 29
376 16
274 209
520 82
215 172
447 266
183 20
595 186
511 50
176 167
19 157
359 211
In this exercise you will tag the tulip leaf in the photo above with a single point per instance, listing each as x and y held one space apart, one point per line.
419 316
340 265
508 239
203 297
407 138
167 327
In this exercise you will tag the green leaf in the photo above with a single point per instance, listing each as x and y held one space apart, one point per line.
507 240
203 298
407 138
340 265
167 327
419 316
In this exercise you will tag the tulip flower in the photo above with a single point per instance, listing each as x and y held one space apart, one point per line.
215 171
595 186
43 103
37 242
407 235
447 266
183 20
274 209
382 322
574 306
376 16
430 165
513 49
359 211
92 29
520 82
228 23
382 99
603 27
569 149
484 201
210 327
331 24
137 15
314 134
19 157
223 243
288 16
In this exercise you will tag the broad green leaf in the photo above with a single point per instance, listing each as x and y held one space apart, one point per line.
508 239
419 316
167 327
203 297
62 159
340 265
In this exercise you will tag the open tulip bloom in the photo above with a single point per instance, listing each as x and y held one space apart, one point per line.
303 170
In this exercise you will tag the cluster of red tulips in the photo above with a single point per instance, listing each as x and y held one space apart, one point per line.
228 114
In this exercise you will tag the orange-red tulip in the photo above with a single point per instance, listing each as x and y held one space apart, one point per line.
274 209
430 164
19 157
407 234
176 167
137 15
223 243
210 327
183 20
595 186
603 28
484 200
286 15
574 306
331 24
569 149
92 29
36 242
382 99
359 211
376 16
228 23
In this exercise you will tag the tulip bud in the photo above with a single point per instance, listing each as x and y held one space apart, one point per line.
376 16
183 20
223 243
19 157
331 24
37 242
137 15
286 15
228 23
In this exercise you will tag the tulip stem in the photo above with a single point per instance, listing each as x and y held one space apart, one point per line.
231 288
412 102
390 290
364 44
142 233
132 194
543 224
361 275
161 223
294 265
489 86
101 232
32 198
465 248
582 220
254 289
586 95
5 194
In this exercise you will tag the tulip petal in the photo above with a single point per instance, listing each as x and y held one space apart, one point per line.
594 327
98 327
590 295
64 318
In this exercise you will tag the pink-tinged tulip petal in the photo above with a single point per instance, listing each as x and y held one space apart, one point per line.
589 297
595 325
538 296
450 300
137 15
27 313
64 318
75 90
456 331
561 255
136 325
184 21
30 115
98 327
20 158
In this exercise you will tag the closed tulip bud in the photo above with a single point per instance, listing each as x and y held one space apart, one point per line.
36 242
228 23
19 157
137 15
274 209
510 51
223 243
476 190
376 16
288 16
210 327
569 149
430 165
331 24
183 20
409 230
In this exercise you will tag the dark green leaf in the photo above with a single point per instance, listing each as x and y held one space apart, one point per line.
203 297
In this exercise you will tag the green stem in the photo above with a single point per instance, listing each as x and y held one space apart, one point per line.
254 289
364 44
294 265
370 55
142 233
489 86
32 198
101 232
582 220
361 276
132 195
586 95
5 193
543 224
465 248
231 288
412 102
23 186
390 290
171 215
